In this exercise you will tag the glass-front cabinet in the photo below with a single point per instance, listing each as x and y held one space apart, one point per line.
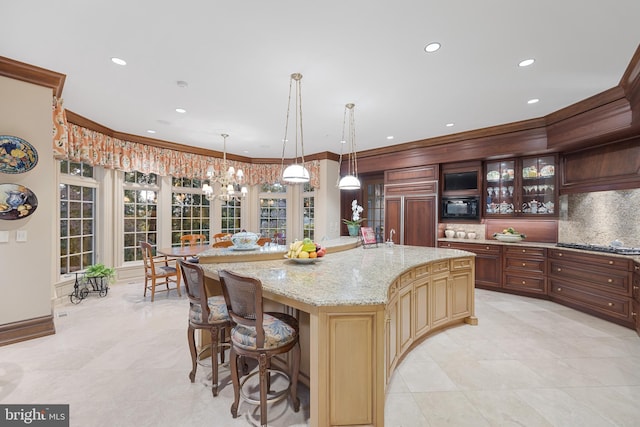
521 187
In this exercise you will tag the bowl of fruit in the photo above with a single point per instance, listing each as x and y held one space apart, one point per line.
305 251
509 235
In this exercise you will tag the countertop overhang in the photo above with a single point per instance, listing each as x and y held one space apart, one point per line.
359 276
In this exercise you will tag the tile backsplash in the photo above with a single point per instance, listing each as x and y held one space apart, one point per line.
600 217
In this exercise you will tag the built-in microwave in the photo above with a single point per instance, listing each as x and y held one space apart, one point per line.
460 208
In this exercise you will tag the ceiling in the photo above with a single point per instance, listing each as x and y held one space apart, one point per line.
236 58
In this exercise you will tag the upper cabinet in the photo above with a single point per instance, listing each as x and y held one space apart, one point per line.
524 186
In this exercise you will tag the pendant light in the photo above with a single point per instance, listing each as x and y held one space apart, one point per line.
295 173
349 181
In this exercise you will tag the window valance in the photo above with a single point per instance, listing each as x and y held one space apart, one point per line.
79 144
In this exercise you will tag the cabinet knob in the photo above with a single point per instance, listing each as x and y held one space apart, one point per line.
610 281
560 254
524 265
524 250
635 288
524 282
634 314
488 248
559 289
610 304
610 262
559 269
637 267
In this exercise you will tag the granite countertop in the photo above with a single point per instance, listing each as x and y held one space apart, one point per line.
635 258
274 248
359 276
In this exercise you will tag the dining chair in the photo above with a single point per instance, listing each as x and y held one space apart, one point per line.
263 240
157 270
205 313
261 336
193 239
222 244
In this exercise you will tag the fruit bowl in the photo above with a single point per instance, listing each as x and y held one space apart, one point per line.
303 260
507 237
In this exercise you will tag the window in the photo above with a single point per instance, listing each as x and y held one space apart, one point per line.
189 209
308 211
375 206
140 212
273 212
77 216
230 218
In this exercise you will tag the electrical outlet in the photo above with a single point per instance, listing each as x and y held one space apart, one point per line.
4 237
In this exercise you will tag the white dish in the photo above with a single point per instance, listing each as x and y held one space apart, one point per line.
244 248
303 260
509 238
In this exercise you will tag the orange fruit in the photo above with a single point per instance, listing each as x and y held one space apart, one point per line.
313 254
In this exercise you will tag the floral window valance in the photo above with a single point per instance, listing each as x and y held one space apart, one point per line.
79 144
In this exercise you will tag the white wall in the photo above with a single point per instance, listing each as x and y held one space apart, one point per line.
28 268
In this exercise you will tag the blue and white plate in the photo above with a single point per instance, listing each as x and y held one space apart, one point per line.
16 155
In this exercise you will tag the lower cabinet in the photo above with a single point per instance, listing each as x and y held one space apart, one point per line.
525 270
488 271
422 300
597 284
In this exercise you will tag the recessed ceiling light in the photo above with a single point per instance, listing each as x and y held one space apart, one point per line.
182 83
449 125
390 137
526 62
118 61
151 131
432 47
181 110
533 101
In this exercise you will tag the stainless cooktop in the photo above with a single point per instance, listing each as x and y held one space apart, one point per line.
601 248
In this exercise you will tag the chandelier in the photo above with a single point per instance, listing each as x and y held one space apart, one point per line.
350 181
295 173
230 181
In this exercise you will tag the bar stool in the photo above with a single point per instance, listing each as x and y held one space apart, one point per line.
204 313
260 336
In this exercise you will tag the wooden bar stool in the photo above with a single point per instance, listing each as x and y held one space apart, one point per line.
207 314
260 336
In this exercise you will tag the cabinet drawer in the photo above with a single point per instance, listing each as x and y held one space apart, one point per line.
439 266
525 283
591 260
611 305
472 247
524 264
612 281
461 264
524 251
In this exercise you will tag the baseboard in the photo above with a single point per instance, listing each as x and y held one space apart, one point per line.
24 330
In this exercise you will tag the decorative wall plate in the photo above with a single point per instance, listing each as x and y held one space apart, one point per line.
16 155
16 201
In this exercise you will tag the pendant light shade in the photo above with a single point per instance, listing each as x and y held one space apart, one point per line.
295 173
350 181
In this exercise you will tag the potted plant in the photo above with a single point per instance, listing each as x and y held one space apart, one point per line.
354 223
100 276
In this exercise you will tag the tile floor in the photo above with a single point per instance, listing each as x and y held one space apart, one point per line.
123 361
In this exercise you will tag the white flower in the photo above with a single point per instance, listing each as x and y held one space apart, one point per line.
356 209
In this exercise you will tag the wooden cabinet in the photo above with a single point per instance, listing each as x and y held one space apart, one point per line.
429 297
635 291
597 284
525 269
488 271
410 205
524 186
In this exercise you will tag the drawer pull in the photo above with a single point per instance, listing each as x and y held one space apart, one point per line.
634 314
559 269
637 267
610 304
635 288
487 247
610 281
524 265
610 262
524 251
559 289
524 282
560 254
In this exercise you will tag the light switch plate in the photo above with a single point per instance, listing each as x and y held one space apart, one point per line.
21 235
4 236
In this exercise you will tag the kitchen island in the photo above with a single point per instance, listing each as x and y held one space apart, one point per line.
361 310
